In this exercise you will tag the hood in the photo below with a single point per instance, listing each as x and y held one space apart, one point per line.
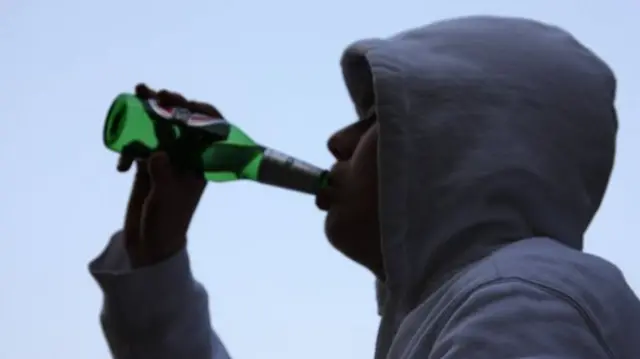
492 130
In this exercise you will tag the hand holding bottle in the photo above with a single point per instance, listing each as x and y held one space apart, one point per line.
164 197
138 125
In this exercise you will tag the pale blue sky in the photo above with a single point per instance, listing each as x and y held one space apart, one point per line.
277 289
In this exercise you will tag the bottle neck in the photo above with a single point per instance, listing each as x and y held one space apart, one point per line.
281 170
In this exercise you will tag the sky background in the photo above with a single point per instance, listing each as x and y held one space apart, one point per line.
277 289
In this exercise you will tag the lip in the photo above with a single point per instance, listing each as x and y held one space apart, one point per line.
325 197
323 200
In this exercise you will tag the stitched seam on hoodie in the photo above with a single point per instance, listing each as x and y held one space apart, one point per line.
593 327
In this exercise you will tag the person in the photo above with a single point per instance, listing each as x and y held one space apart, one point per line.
483 151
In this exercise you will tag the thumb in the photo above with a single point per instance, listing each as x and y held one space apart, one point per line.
160 169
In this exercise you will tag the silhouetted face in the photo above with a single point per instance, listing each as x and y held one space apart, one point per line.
351 200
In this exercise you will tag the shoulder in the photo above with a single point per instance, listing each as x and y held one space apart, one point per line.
546 269
505 317
534 286
547 263
594 286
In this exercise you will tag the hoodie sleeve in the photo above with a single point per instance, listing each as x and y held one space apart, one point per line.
154 312
515 320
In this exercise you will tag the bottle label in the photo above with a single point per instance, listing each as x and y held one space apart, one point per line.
288 161
183 115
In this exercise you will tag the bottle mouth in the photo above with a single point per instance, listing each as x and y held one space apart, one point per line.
114 124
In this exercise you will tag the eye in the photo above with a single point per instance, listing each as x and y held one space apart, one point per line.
370 116
365 123
344 142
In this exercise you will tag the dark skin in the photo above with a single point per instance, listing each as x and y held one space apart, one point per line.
352 223
164 198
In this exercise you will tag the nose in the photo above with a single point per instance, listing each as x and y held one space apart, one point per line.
338 146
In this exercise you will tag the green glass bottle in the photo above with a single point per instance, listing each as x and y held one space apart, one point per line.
220 149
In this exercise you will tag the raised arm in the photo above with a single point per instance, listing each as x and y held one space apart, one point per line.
153 307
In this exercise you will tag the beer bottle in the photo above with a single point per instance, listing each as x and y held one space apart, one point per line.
138 127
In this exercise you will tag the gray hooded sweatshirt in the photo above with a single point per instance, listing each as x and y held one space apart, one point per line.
497 139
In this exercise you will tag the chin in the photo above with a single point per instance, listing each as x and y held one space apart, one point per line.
341 229
354 238
334 226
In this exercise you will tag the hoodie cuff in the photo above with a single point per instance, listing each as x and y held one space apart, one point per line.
138 295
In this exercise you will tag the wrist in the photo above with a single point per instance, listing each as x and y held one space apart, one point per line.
145 256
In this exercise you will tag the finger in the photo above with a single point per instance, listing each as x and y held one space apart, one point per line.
204 108
143 91
124 163
139 194
160 170
171 99
141 182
